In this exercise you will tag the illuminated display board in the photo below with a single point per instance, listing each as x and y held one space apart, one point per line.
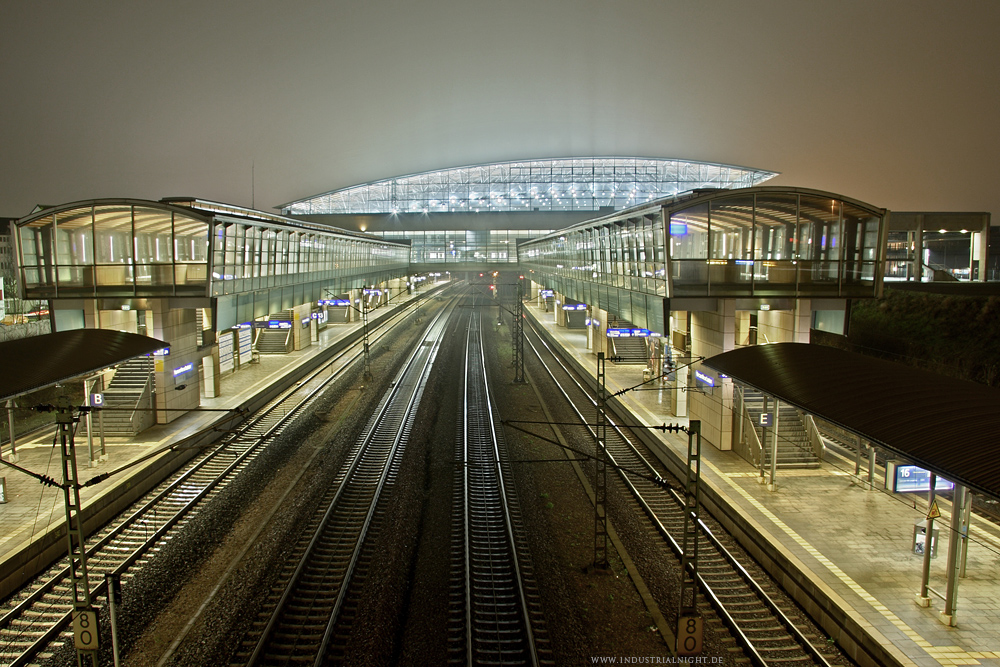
631 333
913 479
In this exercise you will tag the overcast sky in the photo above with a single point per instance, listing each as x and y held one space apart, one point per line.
891 102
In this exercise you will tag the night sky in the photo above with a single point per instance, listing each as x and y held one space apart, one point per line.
891 102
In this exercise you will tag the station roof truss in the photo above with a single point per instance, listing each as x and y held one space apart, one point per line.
42 361
559 184
945 425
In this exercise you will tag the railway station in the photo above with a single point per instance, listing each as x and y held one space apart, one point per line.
675 273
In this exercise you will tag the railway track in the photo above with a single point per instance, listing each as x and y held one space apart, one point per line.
495 617
768 630
34 622
306 620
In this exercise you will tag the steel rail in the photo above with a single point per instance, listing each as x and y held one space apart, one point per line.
495 579
266 420
372 455
717 603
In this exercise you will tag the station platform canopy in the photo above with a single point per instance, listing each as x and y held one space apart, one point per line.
42 361
945 425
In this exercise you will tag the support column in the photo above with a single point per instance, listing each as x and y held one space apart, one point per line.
918 250
558 304
12 457
802 321
956 540
713 332
924 598
871 467
772 484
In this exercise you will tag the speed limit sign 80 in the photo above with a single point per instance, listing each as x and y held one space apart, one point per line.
85 633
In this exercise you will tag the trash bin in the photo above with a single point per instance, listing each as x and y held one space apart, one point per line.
647 375
920 538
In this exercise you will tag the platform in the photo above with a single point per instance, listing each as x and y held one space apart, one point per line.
856 542
33 509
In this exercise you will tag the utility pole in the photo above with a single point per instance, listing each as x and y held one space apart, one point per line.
517 333
689 622
364 325
601 472
85 632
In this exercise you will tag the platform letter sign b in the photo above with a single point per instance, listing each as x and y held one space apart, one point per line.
689 635
97 400
85 634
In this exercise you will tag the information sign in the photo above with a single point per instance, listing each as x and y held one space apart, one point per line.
913 479
631 333
704 378
226 362
97 400
85 633
690 631
246 342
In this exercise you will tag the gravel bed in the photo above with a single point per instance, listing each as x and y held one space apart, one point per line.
402 608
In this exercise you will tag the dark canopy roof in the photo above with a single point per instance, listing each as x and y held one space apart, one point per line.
948 426
41 361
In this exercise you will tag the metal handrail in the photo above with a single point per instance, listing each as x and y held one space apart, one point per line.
143 397
819 449
753 440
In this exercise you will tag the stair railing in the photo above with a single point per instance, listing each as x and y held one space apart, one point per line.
748 436
140 416
815 439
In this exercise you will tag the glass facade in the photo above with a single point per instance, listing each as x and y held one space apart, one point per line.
148 249
570 184
491 246
250 256
754 242
114 248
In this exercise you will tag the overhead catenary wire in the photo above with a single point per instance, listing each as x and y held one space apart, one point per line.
890 494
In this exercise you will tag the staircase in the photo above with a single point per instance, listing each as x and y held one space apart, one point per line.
131 388
275 341
794 448
627 350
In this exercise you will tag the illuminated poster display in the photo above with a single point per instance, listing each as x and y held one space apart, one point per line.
246 342
226 352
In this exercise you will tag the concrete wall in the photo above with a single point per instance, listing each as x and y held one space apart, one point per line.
713 333
785 326
179 328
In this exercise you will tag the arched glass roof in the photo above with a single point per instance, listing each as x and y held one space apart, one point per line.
562 184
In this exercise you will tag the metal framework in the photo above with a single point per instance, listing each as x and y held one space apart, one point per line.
517 333
601 471
561 184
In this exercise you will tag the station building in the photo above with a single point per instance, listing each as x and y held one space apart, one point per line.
682 260
210 279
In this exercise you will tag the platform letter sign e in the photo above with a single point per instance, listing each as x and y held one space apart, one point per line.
85 634
689 635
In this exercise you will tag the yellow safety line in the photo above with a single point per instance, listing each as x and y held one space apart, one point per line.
945 655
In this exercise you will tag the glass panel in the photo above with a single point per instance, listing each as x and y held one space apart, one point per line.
823 218
113 245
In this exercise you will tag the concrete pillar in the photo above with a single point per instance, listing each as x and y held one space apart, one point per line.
176 389
601 331
300 332
802 321
590 327
713 333
560 301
